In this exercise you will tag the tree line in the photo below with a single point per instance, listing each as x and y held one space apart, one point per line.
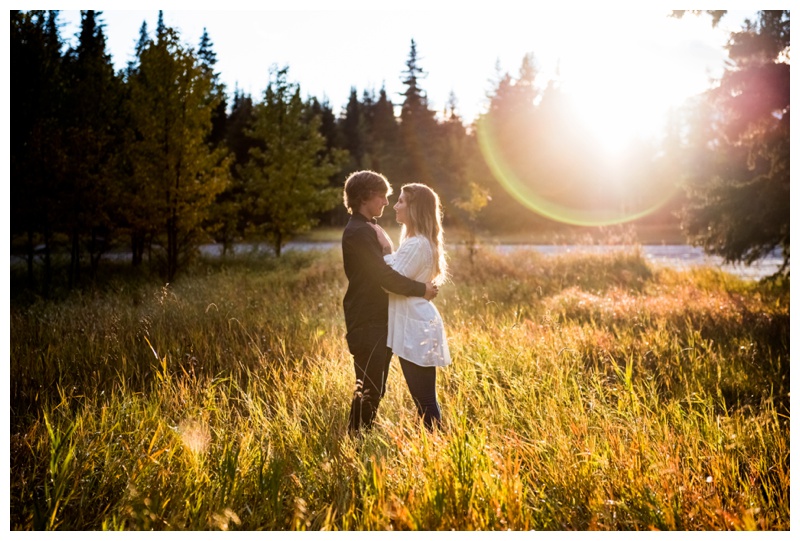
154 157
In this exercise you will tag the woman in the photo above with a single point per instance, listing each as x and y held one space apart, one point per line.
416 332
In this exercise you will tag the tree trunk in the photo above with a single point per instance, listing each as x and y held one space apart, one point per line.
172 247
30 255
137 247
278 244
48 267
95 251
74 259
227 241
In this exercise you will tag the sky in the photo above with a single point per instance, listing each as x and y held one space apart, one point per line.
611 59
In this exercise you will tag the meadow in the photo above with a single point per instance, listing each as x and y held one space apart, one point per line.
587 392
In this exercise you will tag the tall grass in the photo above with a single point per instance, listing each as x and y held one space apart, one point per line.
586 392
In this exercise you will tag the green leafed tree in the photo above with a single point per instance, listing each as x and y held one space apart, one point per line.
176 174
738 189
287 174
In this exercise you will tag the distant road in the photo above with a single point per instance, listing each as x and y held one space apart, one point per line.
675 256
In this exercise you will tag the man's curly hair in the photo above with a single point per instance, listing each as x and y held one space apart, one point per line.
361 185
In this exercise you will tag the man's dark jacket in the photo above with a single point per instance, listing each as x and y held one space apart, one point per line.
366 304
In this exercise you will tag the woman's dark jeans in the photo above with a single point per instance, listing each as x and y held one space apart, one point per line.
421 382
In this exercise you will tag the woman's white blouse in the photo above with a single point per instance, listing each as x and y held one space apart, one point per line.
416 330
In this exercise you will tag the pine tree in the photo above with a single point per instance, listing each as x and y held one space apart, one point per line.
239 123
161 28
92 143
329 129
739 198
287 174
415 104
229 213
36 145
418 126
135 216
223 218
141 43
353 131
327 121
432 148
511 135
461 185
208 59
385 145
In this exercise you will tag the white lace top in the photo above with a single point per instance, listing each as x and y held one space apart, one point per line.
416 330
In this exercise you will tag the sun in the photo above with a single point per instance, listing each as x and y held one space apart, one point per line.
610 121
622 78
619 103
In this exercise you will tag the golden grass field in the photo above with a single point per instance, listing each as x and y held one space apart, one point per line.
587 392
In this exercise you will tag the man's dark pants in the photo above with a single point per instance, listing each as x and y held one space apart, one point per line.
371 358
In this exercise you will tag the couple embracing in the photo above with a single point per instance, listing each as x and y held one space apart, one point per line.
387 305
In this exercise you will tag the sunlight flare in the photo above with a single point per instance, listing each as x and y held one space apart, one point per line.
195 435
591 191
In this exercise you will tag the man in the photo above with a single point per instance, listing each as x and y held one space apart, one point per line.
366 303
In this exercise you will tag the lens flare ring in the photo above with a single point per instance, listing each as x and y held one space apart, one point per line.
532 197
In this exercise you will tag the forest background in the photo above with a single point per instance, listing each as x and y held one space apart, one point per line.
155 159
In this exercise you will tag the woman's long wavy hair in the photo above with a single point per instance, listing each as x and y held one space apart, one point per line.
425 215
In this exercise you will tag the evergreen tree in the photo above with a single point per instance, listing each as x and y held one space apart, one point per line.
91 143
329 129
178 174
418 126
223 219
515 97
366 109
239 123
161 28
385 146
739 198
36 145
229 213
208 59
513 133
454 159
139 216
434 149
136 216
205 52
415 104
288 171
327 121
463 180
141 43
353 132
